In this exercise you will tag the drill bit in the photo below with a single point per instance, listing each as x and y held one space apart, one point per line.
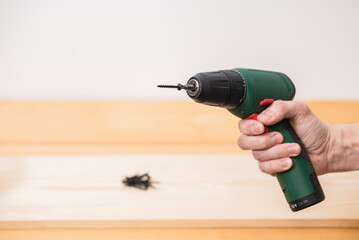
179 86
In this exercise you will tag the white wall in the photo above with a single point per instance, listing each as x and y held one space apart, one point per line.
121 49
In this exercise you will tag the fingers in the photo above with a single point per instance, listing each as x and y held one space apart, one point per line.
251 127
272 156
275 166
276 159
284 150
282 109
260 142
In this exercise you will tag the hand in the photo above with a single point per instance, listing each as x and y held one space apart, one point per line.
273 156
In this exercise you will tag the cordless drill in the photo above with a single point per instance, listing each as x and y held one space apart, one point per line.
246 93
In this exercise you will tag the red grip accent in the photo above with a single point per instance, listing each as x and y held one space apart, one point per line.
254 117
266 102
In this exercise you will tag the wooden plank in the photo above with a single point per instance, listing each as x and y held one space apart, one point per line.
195 190
180 234
125 127
110 149
142 122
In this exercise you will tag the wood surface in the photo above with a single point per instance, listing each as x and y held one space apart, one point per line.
192 190
150 128
131 127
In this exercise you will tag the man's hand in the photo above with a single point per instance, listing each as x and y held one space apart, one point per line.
273 156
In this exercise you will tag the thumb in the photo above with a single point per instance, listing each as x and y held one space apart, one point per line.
279 110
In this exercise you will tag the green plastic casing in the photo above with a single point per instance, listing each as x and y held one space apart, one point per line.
299 184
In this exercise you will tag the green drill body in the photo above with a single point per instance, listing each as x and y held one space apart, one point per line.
296 183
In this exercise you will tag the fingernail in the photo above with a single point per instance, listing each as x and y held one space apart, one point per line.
278 138
265 115
294 150
286 163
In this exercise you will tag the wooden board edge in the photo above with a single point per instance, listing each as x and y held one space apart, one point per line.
243 223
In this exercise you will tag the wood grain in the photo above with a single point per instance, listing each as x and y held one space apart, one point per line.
193 191
125 127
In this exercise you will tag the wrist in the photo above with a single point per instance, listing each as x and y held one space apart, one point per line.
343 152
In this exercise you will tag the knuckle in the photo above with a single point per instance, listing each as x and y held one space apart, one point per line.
262 142
279 104
282 152
257 155
302 107
245 126
261 167
242 143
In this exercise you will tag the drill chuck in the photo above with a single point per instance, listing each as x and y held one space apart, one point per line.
224 88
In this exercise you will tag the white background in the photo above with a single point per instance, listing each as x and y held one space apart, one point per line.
123 49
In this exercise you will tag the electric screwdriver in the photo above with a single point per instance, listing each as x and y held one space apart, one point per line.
246 93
